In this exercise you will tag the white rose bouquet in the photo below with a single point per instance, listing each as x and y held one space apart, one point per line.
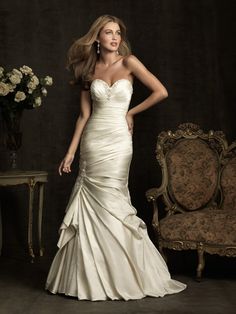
22 89
19 89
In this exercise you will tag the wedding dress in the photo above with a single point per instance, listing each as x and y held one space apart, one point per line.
104 249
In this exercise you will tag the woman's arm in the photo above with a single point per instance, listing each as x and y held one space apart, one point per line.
85 112
158 91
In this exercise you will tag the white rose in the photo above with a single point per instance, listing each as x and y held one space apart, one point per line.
34 80
31 86
11 87
26 70
14 79
17 72
48 80
44 91
20 96
4 89
37 102
1 72
30 90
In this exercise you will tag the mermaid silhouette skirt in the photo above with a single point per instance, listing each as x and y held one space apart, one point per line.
104 249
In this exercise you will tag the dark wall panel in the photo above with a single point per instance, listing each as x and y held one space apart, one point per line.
188 44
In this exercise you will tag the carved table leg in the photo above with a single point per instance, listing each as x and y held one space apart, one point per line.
40 212
30 219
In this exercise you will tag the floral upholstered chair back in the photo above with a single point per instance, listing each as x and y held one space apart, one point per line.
228 179
190 161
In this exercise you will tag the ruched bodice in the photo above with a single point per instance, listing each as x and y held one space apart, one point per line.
104 249
118 93
107 127
111 101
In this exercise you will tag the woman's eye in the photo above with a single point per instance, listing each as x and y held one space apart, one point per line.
110 32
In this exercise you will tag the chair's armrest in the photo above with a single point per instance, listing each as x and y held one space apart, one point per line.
152 195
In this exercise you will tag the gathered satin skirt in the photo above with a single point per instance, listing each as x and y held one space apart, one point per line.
104 249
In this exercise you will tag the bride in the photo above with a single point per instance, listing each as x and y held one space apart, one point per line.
104 249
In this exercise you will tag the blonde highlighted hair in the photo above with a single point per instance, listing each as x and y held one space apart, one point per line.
82 55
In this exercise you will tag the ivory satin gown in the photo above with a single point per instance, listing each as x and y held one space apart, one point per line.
104 249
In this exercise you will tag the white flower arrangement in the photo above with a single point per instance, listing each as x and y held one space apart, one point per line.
22 89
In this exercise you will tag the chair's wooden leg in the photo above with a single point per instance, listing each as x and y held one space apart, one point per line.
201 261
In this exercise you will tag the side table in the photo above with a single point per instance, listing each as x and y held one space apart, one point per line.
30 178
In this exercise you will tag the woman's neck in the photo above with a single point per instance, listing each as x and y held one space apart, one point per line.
108 59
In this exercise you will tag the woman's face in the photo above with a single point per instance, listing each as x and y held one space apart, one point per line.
110 37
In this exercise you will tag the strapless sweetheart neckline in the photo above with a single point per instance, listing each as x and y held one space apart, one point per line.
112 85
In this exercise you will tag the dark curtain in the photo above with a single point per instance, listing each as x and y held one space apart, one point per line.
188 44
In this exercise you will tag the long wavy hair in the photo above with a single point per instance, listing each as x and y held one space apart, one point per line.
82 55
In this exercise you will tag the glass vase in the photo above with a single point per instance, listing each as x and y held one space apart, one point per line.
12 136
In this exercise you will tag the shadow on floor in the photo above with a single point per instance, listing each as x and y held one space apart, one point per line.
22 291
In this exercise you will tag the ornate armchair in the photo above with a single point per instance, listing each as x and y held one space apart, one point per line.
198 191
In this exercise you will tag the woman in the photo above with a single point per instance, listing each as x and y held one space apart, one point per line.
104 249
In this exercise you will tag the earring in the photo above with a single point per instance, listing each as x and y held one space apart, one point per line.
117 52
98 47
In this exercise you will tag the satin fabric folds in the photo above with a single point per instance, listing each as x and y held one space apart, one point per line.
104 249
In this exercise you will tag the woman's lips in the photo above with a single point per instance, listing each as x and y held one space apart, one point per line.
114 44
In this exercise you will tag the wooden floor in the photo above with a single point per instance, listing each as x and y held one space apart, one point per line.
22 291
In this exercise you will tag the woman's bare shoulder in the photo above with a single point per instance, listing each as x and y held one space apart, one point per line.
131 61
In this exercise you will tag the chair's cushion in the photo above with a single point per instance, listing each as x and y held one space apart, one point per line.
214 226
192 173
228 184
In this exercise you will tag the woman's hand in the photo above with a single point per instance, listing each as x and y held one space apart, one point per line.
130 122
65 164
